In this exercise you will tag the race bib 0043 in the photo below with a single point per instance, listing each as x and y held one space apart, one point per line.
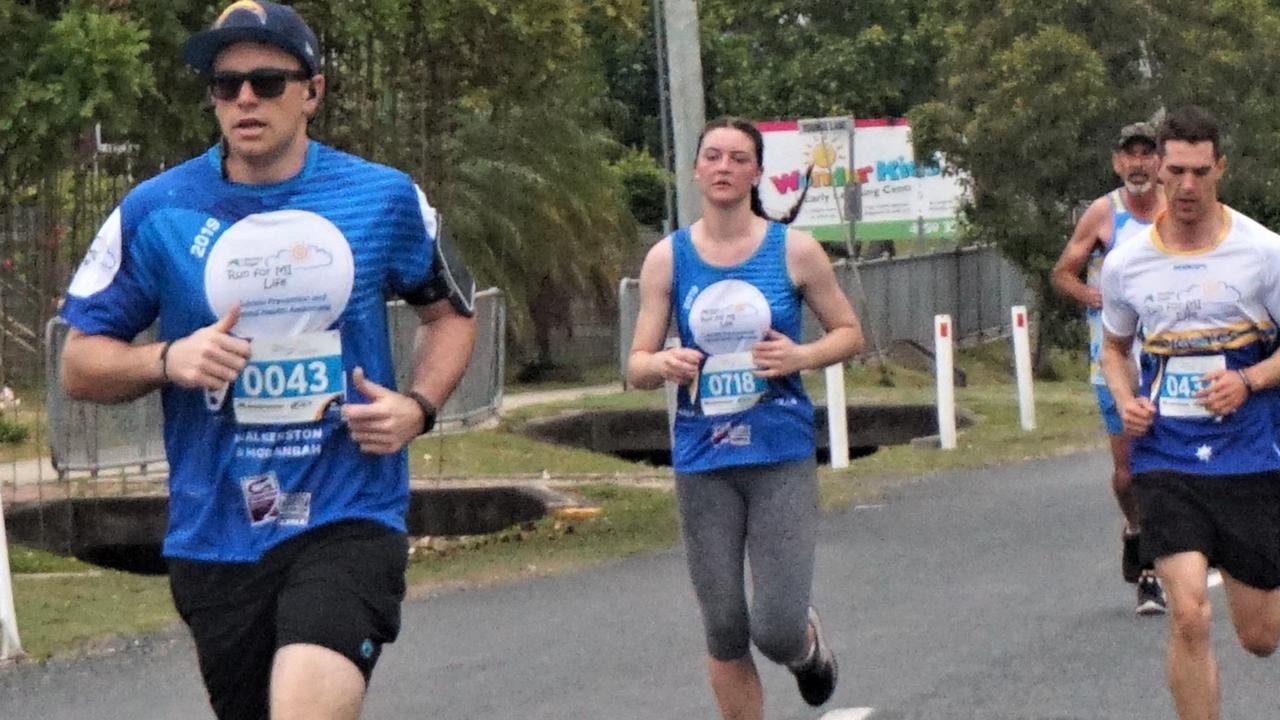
290 380
1180 383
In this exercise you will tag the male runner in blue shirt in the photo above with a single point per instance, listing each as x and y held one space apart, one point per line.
267 262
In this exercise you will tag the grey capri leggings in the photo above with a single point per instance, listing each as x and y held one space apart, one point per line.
768 513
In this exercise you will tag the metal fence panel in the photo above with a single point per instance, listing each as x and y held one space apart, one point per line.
628 312
968 317
875 285
90 437
479 393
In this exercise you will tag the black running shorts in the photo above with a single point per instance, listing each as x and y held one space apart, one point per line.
339 586
1234 520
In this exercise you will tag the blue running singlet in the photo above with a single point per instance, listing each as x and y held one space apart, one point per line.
729 417
1124 225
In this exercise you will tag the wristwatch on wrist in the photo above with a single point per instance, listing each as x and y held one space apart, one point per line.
428 410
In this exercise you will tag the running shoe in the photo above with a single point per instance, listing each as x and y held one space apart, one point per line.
816 678
1130 564
1150 596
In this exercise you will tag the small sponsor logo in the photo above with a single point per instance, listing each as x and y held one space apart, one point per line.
295 509
261 498
733 434
690 296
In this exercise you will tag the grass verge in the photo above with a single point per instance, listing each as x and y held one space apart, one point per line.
65 607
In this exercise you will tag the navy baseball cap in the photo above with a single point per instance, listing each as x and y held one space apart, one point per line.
255 21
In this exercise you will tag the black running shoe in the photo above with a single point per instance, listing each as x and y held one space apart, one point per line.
1150 596
1130 564
817 677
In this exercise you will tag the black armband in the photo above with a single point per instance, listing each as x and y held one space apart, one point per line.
450 281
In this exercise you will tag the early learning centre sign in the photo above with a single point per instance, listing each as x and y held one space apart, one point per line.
863 171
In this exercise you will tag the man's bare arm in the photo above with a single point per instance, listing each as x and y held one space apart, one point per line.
390 420
1065 276
1137 413
103 369
99 368
1117 366
443 348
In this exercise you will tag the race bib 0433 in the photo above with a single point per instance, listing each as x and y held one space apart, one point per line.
1181 381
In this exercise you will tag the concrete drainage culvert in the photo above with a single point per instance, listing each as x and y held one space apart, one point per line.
642 435
125 533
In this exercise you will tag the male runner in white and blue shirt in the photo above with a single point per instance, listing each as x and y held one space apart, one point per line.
1203 284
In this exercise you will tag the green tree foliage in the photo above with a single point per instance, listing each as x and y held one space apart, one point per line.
624 47
645 183
175 120
58 74
1225 56
1017 131
481 101
807 58
1032 95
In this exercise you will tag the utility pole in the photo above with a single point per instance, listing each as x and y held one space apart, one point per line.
664 119
688 108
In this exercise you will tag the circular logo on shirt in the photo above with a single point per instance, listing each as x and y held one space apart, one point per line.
290 270
102 261
729 316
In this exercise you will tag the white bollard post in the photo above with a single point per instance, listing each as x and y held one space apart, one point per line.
1022 366
10 645
944 367
837 417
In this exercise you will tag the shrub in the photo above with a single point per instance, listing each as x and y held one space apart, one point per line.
645 183
12 432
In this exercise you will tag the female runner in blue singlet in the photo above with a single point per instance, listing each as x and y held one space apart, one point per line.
743 450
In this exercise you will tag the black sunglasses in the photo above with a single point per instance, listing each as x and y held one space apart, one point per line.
266 83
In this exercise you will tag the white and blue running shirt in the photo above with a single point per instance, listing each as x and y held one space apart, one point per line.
1124 226
1199 311
311 261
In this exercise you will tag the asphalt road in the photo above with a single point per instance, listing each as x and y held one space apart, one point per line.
988 595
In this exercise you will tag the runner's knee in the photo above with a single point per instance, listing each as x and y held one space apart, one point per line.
1259 640
1190 618
728 636
1122 482
782 642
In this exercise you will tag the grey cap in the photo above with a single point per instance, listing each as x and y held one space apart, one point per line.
1144 131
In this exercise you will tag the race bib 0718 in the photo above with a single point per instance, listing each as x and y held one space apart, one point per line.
728 384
